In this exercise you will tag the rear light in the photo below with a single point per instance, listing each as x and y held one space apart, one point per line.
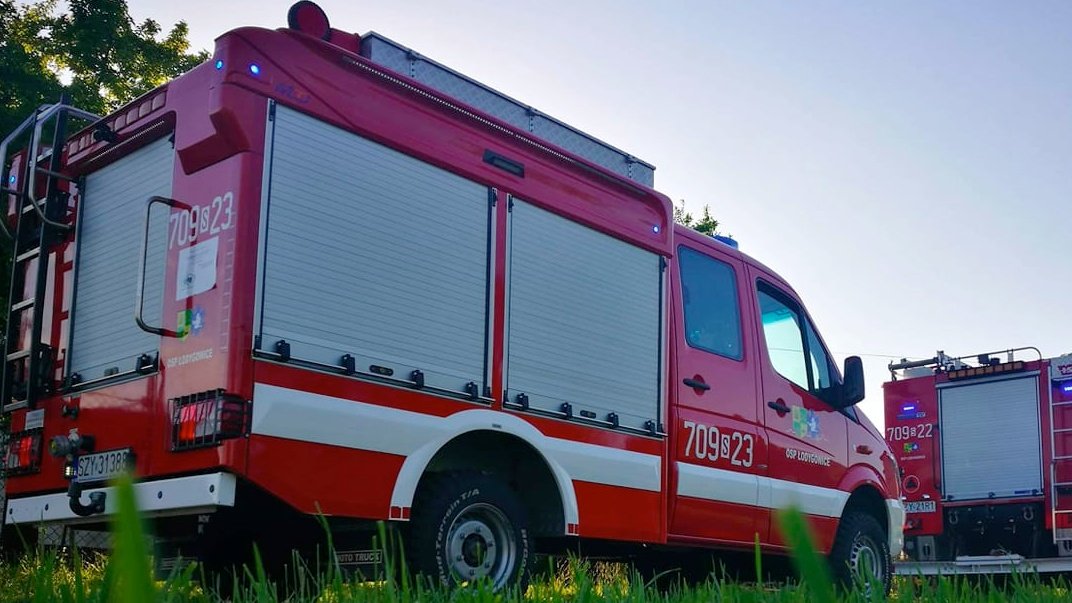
23 452
207 418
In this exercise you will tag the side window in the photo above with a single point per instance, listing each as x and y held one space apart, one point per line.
793 345
785 338
709 295
821 377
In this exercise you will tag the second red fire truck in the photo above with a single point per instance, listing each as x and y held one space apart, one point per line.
984 443
322 274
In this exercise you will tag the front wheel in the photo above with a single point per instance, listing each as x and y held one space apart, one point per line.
861 553
468 527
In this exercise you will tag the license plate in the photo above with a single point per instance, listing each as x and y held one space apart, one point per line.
920 506
102 466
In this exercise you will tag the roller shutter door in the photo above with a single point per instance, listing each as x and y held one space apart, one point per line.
990 439
374 254
584 320
104 337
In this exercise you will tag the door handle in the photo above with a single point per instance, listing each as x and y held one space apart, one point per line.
139 293
696 383
779 406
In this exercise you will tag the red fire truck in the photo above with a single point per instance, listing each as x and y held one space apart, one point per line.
984 443
322 274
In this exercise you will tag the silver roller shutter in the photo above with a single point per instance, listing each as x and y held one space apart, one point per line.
375 254
104 337
990 439
584 319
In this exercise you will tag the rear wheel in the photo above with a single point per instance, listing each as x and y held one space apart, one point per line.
467 527
861 554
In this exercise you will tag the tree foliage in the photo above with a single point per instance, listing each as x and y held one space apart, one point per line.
706 224
91 49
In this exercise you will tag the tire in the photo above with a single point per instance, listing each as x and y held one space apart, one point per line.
861 554
468 526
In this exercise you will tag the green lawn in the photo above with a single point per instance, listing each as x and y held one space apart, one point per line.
126 576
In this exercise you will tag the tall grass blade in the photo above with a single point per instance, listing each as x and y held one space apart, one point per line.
758 561
814 572
134 580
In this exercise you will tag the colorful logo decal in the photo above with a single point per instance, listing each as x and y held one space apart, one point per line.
190 322
806 423
910 410
197 321
911 447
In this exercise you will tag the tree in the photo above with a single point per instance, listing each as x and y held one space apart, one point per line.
91 50
706 224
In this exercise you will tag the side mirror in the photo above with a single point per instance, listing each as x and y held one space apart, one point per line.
852 389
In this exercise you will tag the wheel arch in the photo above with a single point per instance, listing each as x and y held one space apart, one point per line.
867 494
498 443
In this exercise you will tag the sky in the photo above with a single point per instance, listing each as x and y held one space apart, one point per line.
906 166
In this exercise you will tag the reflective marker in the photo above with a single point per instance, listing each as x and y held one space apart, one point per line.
255 69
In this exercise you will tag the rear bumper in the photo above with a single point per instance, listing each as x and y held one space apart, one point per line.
895 512
174 496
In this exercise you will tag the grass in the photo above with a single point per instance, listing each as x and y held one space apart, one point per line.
126 576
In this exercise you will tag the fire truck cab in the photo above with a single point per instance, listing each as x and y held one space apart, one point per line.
321 274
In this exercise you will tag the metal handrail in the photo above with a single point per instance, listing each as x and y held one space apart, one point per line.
36 119
942 358
26 123
32 184
139 294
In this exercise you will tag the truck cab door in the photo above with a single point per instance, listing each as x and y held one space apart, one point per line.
715 433
807 436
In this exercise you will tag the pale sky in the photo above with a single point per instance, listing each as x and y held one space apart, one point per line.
906 166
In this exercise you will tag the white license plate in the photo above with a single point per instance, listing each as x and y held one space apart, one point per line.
102 466
920 506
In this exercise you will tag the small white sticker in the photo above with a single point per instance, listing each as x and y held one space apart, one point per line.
197 269
35 419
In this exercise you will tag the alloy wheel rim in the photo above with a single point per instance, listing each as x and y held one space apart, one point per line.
481 545
866 562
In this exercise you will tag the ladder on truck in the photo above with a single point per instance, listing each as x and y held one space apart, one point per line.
41 220
1061 468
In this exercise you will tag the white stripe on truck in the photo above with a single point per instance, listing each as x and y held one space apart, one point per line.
721 485
308 417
